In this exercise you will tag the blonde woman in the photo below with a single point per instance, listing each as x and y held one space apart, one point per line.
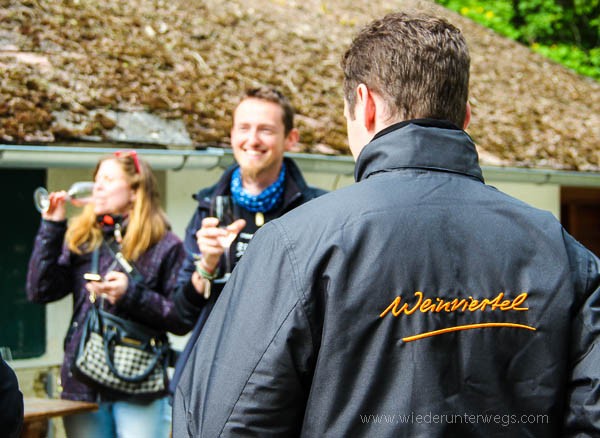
125 207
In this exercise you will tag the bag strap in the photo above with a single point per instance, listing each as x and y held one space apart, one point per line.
115 250
94 274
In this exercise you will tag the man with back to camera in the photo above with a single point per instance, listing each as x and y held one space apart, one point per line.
263 185
417 302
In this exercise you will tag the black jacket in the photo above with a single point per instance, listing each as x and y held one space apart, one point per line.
419 302
11 402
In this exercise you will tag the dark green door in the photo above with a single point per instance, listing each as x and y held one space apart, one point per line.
22 324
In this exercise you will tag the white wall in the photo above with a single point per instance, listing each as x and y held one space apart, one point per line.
180 186
543 196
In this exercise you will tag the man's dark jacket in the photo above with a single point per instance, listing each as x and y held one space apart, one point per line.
419 302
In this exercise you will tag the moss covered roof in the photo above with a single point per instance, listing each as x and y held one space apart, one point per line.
190 60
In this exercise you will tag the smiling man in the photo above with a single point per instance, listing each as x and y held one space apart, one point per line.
263 185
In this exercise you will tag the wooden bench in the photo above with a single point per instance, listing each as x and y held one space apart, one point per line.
39 410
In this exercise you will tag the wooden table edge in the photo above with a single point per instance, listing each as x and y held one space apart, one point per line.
37 408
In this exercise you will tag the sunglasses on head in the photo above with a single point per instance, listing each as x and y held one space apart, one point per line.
130 154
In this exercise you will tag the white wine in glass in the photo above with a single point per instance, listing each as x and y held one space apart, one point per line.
79 194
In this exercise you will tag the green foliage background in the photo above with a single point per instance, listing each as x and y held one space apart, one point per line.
566 31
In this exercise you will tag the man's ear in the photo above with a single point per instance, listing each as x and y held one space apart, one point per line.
467 116
368 107
292 138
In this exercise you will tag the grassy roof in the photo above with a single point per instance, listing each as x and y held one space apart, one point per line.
191 60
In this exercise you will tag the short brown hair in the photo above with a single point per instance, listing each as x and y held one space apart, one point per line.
275 96
418 64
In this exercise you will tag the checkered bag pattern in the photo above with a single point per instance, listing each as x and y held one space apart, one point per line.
128 361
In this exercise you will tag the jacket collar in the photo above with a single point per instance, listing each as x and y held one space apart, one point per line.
419 144
295 185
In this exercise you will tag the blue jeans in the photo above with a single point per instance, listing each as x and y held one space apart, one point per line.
123 420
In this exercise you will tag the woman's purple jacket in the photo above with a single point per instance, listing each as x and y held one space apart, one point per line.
55 272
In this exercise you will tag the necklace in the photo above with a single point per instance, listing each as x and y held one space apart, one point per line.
259 219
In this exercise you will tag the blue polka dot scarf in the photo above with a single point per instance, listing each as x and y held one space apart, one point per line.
267 200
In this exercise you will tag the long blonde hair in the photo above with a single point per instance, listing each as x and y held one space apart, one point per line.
147 220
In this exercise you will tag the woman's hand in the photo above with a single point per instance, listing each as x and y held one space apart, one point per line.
57 210
113 288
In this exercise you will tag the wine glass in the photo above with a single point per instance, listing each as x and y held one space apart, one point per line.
6 354
79 194
222 209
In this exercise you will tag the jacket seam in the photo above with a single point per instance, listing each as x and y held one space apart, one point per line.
299 290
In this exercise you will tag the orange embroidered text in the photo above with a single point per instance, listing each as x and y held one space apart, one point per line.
470 304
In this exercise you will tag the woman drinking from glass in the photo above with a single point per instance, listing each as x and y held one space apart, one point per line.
124 209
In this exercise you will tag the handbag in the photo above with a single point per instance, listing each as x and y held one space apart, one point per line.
119 357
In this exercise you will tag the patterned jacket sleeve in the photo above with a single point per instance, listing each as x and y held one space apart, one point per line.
48 274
